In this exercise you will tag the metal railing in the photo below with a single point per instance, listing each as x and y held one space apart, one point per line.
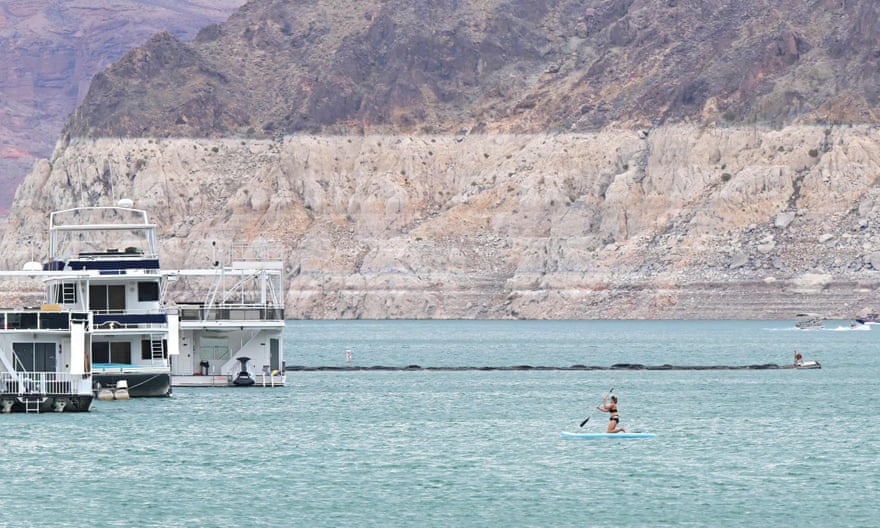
230 312
60 320
38 383
130 318
35 320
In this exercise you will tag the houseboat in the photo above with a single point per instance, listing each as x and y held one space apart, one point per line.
106 263
231 336
102 322
44 359
112 322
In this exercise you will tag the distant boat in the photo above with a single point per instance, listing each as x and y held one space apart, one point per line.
871 318
811 323
800 363
807 365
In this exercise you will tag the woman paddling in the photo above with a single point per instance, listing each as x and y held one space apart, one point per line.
614 421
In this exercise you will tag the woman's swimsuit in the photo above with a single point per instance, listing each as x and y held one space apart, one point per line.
614 416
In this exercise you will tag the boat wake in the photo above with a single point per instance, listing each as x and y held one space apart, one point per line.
851 328
841 328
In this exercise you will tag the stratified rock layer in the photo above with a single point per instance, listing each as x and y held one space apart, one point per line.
673 222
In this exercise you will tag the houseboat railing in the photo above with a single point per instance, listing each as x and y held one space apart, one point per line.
230 312
130 318
21 383
37 319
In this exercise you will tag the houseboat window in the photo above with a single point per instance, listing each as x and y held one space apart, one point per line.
34 357
104 297
111 352
148 291
27 320
160 350
24 320
34 320
55 321
214 348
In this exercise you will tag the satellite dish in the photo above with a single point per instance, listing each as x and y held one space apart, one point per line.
32 266
125 202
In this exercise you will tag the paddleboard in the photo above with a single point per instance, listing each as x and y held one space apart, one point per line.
588 436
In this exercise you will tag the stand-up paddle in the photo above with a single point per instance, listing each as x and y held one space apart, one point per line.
591 414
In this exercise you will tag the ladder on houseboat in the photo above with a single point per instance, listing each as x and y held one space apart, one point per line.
32 404
68 293
157 348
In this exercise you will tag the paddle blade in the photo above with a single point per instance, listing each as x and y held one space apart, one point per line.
585 421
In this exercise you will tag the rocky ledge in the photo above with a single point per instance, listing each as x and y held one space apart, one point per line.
672 222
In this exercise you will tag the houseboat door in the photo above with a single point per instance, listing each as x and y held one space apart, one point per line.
274 355
35 357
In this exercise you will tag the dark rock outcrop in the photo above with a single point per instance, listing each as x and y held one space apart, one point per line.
49 51
279 67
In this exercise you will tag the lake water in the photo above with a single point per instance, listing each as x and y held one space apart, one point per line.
479 447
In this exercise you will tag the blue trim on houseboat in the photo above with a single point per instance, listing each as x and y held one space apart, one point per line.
116 366
123 264
130 318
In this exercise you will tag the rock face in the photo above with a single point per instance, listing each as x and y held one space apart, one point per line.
278 67
685 222
49 51
494 159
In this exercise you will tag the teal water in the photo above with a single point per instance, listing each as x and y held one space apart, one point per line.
478 448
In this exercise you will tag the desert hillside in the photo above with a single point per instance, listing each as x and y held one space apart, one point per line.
49 51
488 159
279 67
685 222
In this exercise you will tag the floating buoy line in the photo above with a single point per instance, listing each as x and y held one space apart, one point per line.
617 366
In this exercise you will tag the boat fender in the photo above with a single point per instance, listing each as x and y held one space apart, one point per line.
121 392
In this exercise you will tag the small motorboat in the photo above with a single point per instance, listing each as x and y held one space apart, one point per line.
871 318
800 363
806 365
809 321
810 324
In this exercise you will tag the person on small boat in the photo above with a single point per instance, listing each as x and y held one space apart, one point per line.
798 358
614 420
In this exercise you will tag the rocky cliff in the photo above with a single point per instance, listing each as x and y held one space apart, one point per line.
49 51
682 222
278 67
547 159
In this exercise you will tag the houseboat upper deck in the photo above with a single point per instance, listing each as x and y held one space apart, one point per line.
233 335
